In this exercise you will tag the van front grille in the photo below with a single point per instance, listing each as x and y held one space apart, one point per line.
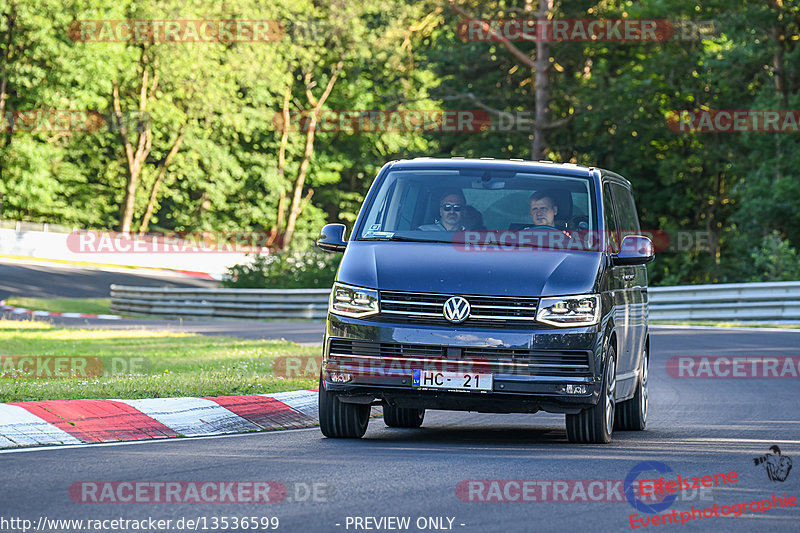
486 311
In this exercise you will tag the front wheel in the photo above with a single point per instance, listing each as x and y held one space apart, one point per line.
632 414
595 424
402 417
341 420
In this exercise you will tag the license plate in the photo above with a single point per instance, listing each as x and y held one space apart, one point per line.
451 380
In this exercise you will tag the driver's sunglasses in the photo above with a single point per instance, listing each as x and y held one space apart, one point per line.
452 207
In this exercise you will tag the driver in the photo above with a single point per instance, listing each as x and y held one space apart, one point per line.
543 209
451 212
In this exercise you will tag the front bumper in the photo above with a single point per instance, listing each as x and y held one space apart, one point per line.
555 370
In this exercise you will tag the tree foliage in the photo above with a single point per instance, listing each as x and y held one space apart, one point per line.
191 141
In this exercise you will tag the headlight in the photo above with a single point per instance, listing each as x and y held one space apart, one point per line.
353 301
566 311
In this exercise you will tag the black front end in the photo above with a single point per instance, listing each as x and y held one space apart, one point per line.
401 356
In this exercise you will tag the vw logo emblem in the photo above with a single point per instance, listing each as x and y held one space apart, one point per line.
456 309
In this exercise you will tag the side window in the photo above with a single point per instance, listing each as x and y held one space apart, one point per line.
626 210
407 206
377 215
608 218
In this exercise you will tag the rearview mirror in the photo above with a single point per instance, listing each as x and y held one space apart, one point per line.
331 238
635 250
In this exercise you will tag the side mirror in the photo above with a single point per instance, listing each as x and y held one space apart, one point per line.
331 238
635 250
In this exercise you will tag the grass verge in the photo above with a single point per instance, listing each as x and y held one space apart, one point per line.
141 364
93 306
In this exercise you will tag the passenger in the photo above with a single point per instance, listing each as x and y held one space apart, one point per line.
543 214
543 209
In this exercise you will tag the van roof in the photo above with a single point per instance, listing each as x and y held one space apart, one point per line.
483 161
568 169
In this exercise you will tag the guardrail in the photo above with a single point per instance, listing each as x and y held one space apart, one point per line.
775 301
772 301
224 303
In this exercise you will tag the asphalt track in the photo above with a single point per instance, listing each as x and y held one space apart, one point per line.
53 280
696 427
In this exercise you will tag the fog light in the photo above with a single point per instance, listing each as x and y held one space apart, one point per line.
576 389
337 377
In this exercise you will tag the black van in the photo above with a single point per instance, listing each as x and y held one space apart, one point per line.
489 286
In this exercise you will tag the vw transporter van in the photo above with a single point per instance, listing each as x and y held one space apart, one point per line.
489 286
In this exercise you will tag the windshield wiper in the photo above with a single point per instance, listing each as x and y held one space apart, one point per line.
402 238
413 239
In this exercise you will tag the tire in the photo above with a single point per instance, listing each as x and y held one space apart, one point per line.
595 424
341 420
632 414
401 417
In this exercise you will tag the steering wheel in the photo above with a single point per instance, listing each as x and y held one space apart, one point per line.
542 227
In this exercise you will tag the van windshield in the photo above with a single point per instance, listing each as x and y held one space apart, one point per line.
483 206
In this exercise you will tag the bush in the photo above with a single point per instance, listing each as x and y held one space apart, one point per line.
311 269
774 260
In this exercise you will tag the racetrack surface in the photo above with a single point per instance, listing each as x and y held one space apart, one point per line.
53 280
41 280
696 427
